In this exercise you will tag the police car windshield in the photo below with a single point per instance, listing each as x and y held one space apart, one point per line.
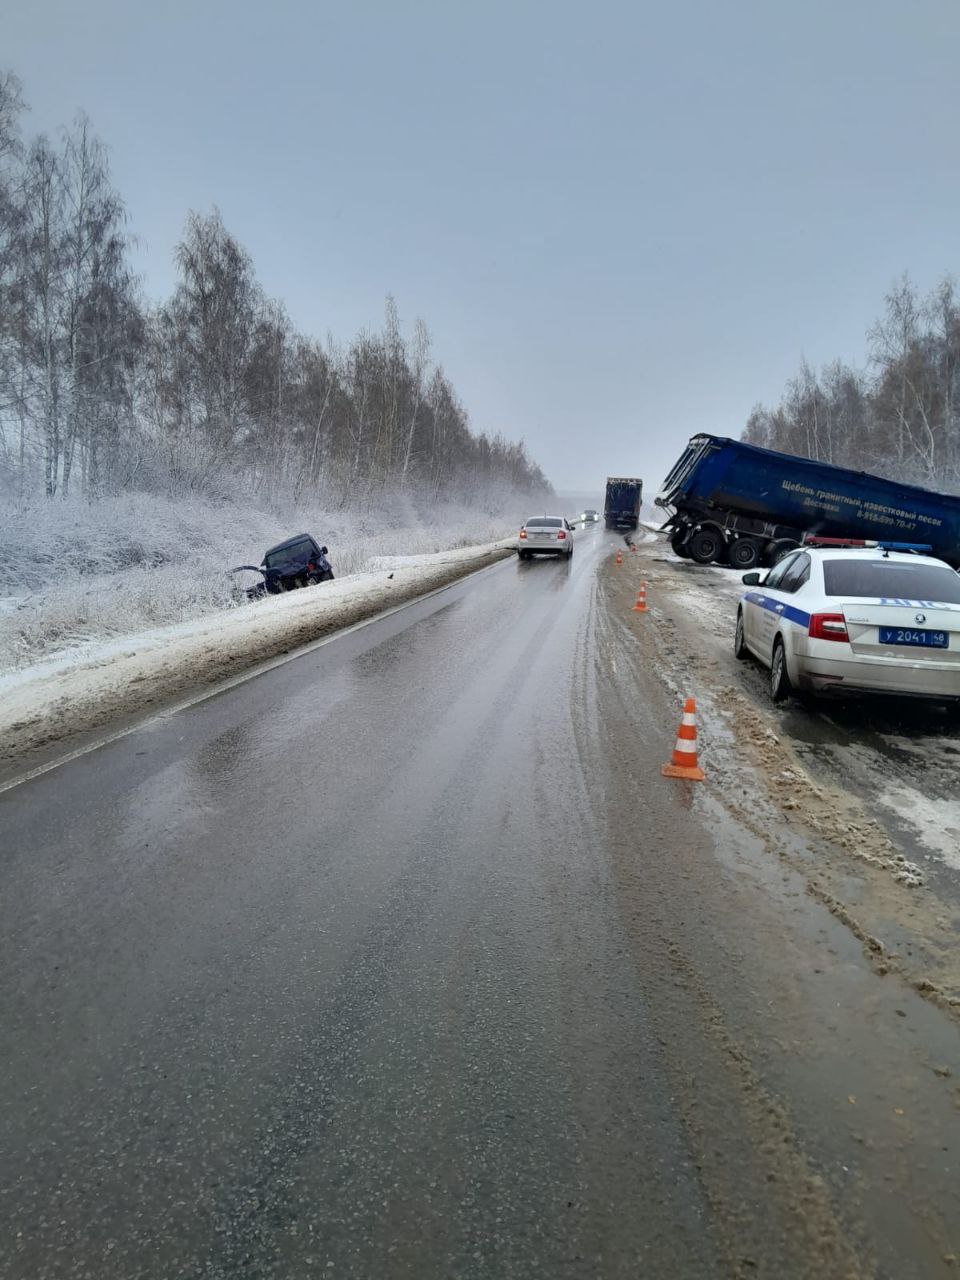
891 579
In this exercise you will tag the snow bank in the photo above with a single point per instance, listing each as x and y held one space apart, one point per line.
91 687
74 571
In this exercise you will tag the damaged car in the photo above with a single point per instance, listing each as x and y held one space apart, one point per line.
300 561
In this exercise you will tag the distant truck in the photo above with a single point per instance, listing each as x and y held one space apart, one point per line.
621 510
734 503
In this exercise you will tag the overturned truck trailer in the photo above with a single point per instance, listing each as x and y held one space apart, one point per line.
733 503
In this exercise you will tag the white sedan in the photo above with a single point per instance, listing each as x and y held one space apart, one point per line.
858 618
545 535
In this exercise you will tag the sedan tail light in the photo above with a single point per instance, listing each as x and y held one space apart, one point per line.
828 626
561 535
523 534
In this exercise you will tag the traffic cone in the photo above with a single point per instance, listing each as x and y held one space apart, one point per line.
684 761
619 556
641 605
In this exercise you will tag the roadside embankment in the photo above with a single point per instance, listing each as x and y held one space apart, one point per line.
55 704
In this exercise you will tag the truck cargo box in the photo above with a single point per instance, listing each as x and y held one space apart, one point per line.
621 509
752 505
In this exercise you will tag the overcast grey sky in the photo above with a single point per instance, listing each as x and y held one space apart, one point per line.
623 222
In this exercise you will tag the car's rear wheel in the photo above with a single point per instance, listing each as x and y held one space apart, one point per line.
523 555
779 678
740 649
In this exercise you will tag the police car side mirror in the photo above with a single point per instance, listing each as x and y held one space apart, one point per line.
751 579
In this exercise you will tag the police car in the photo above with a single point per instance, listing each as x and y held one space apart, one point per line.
871 617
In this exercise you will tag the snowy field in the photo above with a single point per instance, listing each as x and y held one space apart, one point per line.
75 574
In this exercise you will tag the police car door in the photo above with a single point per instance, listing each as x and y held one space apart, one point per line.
757 605
780 602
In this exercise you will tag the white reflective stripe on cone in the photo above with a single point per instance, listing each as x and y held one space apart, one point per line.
685 744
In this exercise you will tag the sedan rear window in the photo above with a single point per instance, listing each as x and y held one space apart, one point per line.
545 523
891 580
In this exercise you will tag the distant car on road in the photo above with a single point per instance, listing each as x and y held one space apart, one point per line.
298 562
545 535
834 616
588 517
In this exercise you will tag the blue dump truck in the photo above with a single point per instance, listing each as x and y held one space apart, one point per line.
732 503
621 509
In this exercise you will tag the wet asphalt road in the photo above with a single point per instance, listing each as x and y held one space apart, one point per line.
294 980
401 960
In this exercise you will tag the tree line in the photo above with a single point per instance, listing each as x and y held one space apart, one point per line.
900 416
101 391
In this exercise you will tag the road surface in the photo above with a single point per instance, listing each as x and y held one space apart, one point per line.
402 960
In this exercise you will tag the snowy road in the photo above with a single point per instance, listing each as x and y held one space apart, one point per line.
403 960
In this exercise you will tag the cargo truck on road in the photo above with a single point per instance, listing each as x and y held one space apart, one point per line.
621 510
737 504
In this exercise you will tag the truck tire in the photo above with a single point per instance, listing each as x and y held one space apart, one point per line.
779 548
705 545
744 553
678 544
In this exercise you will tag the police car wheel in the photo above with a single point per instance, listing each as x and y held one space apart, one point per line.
779 680
739 644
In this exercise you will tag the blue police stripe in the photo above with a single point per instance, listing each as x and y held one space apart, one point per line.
788 611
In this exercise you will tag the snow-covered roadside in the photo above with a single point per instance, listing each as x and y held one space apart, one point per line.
77 572
90 688
859 797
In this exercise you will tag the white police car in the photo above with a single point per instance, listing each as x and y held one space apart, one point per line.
836 615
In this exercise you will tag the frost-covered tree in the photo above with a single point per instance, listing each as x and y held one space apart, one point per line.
213 387
899 418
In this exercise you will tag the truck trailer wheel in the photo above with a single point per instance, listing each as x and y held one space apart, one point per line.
744 553
678 544
779 548
705 545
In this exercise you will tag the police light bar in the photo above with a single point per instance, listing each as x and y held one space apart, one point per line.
813 540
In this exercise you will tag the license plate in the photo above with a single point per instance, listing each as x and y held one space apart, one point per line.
922 639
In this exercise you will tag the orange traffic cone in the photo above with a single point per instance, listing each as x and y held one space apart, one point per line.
641 605
684 761
619 556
